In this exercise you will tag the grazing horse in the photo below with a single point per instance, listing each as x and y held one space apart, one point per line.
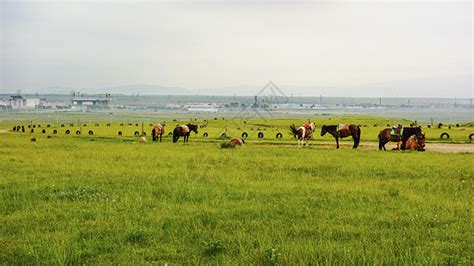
408 132
303 133
237 141
158 130
342 131
184 131
390 134
415 142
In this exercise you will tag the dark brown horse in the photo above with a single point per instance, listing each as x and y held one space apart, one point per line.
303 133
157 131
390 134
184 131
342 131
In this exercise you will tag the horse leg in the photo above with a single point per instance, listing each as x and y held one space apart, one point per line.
161 136
337 143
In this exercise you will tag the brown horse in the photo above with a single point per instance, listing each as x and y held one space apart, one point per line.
158 130
390 134
342 131
415 142
184 131
303 133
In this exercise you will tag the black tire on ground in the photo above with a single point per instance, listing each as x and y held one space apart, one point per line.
119 133
136 125
96 125
429 126
62 125
444 134
55 131
32 130
244 135
279 135
78 132
136 133
43 131
144 134
71 125
48 125
14 129
91 132
471 136
108 124
457 125
205 135
150 125
260 135
121 124
67 132
39 125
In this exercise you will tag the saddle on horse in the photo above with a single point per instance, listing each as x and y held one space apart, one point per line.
396 131
184 128
342 127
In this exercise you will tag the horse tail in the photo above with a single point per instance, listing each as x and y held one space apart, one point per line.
294 130
357 138
380 140
175 135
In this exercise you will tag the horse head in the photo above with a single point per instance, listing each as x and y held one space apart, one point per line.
324 130
420 139
193 128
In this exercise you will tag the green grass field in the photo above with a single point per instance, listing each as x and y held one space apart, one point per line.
104 199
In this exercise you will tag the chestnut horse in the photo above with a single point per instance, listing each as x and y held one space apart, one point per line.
386 135
184 131
415 142
345 131
158 130
303 133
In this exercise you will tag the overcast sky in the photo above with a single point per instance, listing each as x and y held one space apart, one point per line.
336 49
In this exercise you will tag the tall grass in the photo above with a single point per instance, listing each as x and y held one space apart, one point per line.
69 200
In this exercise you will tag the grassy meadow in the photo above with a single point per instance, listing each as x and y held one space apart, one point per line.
104 199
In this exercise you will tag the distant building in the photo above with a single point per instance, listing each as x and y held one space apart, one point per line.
211 107
18 102
90 103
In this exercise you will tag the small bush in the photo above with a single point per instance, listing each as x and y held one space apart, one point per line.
227 145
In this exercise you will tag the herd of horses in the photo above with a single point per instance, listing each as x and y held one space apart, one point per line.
407 138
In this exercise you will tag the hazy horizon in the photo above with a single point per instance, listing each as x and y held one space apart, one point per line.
352 49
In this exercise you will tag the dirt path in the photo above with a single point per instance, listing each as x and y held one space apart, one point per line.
437 147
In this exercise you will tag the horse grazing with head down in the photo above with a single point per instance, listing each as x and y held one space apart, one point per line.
341 131
157 131
303 133
184 131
